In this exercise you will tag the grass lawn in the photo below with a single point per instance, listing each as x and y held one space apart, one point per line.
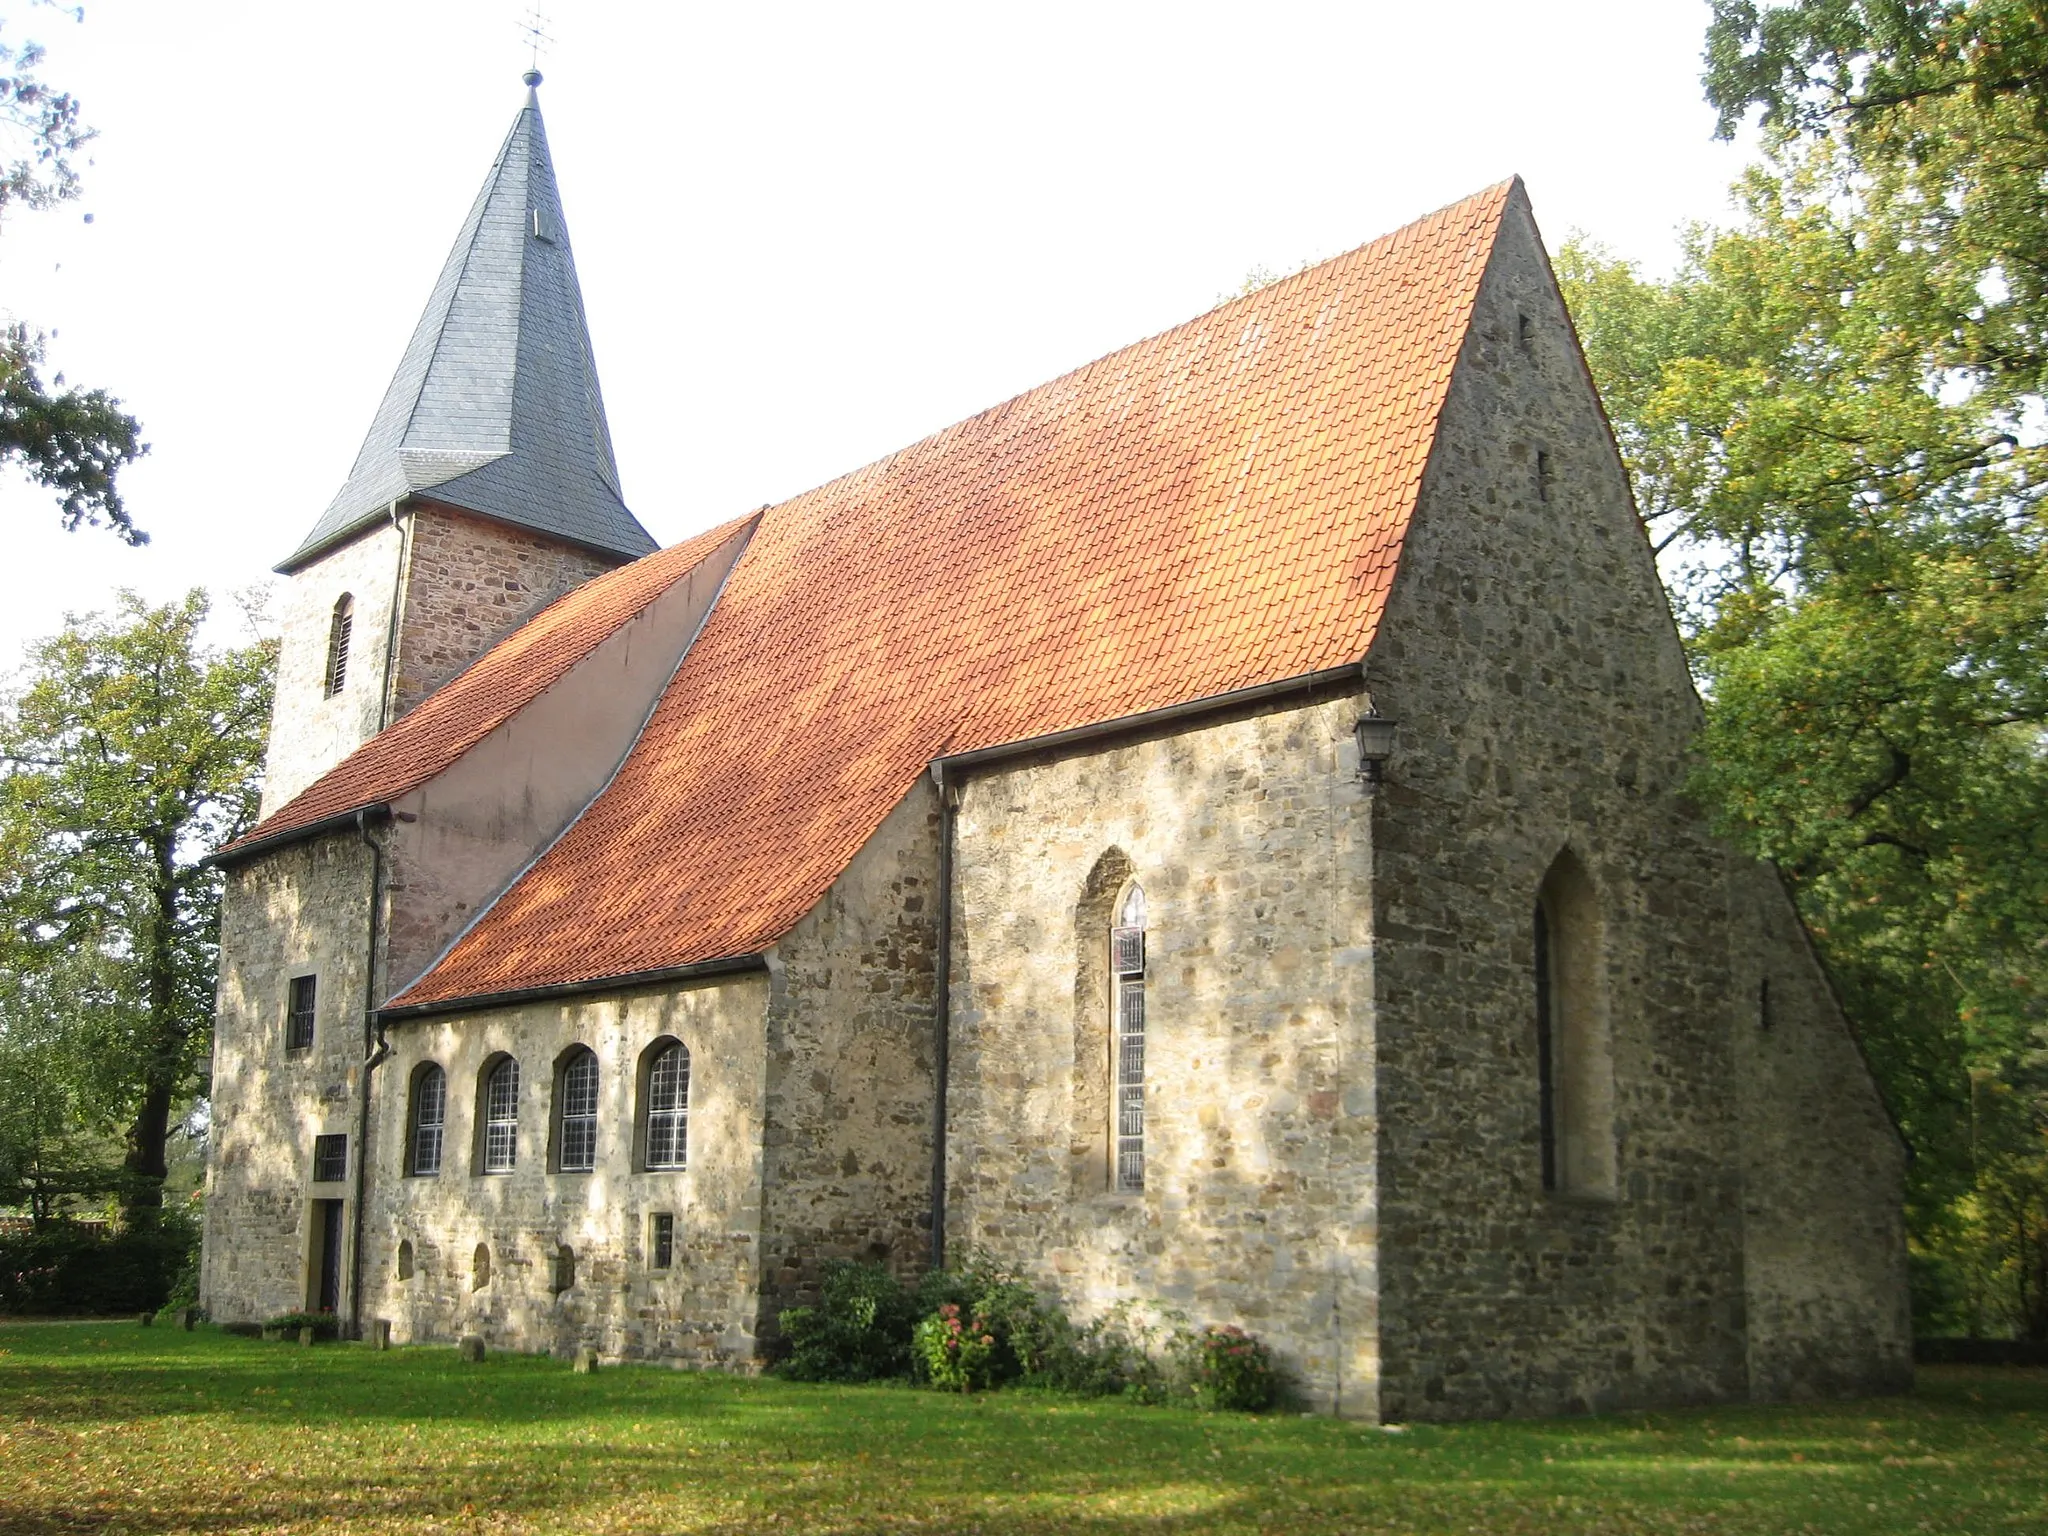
110 1427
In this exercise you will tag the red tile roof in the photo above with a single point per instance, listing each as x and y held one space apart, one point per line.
1217 507
492 689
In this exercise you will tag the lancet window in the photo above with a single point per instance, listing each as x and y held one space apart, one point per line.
1127 981
429 1119
576 1107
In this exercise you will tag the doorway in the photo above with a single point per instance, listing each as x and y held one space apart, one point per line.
323 1268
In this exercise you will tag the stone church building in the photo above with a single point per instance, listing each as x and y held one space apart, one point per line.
1208 830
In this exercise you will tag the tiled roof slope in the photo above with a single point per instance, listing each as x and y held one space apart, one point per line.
1214 508
500 683
495 406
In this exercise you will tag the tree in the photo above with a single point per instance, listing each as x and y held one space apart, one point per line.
1831 415
130 754
73 441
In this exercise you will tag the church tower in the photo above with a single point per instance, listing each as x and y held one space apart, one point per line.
485 488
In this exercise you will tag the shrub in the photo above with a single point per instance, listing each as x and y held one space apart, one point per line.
859 1331
956 1353
68 1268
1227 1368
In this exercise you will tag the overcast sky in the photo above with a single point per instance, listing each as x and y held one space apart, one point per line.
807 234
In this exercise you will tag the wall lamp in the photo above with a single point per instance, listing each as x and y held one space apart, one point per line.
1375 745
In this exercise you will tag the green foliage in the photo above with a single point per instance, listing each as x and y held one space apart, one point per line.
161 1430
859 1331
129 753
73 441
955 1351
978 1326
1228 1368
1832 417
68 1268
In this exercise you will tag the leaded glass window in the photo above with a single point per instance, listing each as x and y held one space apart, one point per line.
429 1118
668 1108
1127 976
501 1117
578 1101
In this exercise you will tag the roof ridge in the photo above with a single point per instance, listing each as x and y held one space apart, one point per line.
1197 512
1503 189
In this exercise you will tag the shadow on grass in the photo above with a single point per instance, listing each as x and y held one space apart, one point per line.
115 1426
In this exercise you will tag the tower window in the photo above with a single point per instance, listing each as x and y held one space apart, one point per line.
429 1119
666 1133
330 1159
1545 475
1127 978
298 1013
339 631
501 1116
1525 332
576 1111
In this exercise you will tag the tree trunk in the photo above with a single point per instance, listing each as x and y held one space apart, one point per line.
150 1134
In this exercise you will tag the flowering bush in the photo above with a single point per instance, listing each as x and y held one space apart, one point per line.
1228 1368
955 1353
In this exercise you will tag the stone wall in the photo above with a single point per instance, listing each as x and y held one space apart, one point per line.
1258 1207
701 1308
1544 706
301 911
847 1139
1824 1241
310 732
469 582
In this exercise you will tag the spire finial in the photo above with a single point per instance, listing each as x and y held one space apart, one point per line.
534 30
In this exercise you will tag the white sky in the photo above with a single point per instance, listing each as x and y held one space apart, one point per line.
807 234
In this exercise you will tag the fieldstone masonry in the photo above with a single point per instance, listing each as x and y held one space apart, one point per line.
1343 1135
460 584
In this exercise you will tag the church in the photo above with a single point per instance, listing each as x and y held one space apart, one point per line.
1209 831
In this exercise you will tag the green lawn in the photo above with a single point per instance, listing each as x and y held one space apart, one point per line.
109 1427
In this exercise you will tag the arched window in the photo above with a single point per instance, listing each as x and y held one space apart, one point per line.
1574 1060
501 1116
576 1110
429 1118
665 1100
1127 977
405 1268
564 1277
480 1267
340 629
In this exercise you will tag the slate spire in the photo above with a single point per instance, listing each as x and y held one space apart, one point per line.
495 406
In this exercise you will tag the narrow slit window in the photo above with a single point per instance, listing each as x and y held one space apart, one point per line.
298 1013
1127 977
668 1108
429 1121
661 1239
501 1117
1546 476
1763 1004
1525 333
1546 1065
578 1101
340 630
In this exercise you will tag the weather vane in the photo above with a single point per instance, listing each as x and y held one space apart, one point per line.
534 30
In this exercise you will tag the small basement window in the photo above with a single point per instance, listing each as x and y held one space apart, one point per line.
661 1239
330 1159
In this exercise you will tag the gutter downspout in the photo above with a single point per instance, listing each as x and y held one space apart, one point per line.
942 1010
374 1052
